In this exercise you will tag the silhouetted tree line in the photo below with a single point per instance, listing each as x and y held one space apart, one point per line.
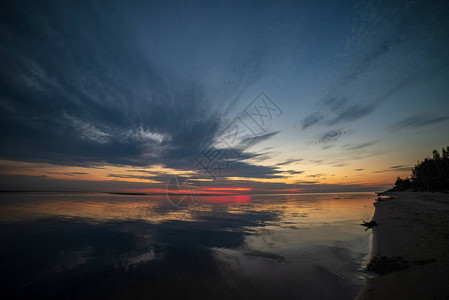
432 174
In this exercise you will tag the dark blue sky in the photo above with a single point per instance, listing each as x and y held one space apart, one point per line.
111 84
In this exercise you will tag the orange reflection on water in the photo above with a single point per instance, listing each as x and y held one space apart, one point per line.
303 210
187 191
96 207
226 199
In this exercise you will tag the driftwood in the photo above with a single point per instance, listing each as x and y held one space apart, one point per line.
380 199
370 224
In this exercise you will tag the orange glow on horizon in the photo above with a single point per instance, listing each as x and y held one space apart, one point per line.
226 189
300 190
225 200
118 178
205 190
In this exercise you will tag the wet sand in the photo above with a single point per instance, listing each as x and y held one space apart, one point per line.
410 248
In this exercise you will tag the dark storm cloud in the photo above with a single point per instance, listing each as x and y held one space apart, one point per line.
78 92
417 121
79 88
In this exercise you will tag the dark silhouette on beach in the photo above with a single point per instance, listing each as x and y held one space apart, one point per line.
430 175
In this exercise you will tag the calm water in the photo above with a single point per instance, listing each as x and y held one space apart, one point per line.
99 246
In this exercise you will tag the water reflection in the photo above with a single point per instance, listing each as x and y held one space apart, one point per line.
94 246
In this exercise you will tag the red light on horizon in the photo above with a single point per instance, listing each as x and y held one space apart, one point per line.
226 199
205 190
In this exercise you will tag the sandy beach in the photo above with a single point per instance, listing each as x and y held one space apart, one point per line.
410 247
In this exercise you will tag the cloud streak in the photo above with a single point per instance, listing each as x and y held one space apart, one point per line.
332 111
331 136
395 169
417 121
289 161
360 146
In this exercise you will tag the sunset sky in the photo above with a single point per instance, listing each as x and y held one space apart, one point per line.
290 96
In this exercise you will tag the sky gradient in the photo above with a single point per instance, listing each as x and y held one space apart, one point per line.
121 96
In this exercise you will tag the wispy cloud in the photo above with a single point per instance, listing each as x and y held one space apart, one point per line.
379 38
331 136
244 169
340 164
360 146
331 111
289 161
254 140
395 169
327 147
319 175
295 172
417 121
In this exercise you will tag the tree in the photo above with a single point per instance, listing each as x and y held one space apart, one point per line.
432 174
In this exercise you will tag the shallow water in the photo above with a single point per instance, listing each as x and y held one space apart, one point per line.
100 246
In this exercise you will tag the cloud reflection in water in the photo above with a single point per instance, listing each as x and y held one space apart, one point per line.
97 246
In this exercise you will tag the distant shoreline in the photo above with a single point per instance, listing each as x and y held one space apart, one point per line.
410 247
180 194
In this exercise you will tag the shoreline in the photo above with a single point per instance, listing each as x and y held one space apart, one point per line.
410 249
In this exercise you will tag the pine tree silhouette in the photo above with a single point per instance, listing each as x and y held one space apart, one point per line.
432 174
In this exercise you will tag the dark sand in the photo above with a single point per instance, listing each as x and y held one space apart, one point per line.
410 248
